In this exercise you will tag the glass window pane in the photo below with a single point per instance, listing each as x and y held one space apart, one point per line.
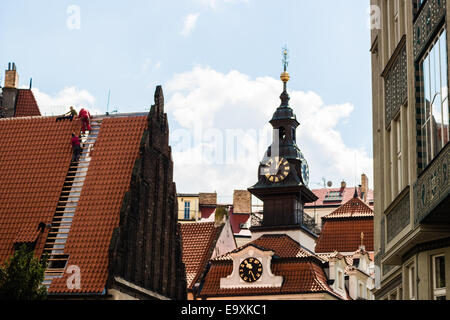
439 265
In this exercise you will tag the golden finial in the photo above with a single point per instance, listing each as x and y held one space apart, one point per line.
362 239
285 75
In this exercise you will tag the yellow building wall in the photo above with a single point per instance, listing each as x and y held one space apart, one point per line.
194 211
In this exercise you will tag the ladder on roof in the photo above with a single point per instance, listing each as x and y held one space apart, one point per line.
68 202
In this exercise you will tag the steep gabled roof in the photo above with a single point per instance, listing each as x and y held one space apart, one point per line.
301 270
354 208
26 105
199 240
282 245
342 228
35 156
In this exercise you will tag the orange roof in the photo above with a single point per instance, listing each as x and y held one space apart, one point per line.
34 157
301 270
282 245
26 105
346 195
342 228
35 154
199 240
353 208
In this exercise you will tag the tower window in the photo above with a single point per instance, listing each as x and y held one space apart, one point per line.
282 134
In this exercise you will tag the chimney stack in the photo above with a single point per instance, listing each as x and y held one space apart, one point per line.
11 76
364 187
343 185
10 91
242 202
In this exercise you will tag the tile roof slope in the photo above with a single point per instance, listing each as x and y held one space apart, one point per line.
342 228
345 235
26 105
353 208
35 154
300 275
282 245
198 240
346 196
97 214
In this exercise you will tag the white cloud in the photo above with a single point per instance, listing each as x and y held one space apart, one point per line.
208 104
190 21
60 102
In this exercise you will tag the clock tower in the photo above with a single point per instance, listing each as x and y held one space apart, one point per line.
283 174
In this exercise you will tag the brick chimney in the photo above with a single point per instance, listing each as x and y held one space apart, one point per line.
364 187
10 90
242 202
208 199
11 76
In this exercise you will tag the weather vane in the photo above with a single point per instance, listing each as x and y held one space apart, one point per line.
285 58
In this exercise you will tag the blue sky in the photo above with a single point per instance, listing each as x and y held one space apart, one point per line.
129 47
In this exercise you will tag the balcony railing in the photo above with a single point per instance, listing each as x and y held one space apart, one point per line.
432 186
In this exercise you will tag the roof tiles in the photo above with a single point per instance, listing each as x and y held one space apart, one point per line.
26 105
97 214
34 157
199 240
301 274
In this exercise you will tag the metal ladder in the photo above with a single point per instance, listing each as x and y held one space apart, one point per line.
68 202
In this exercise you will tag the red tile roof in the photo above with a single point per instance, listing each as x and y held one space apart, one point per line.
345 235
282 245
341 230
353 208
347 194
97 214
301 270
199 240
26 105
35 155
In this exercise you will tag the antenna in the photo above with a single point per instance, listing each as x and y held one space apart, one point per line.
355 168
107 105
31 83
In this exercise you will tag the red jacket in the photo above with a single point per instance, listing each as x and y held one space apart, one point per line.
84 113
75 141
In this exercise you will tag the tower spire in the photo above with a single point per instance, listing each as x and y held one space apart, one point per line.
285 78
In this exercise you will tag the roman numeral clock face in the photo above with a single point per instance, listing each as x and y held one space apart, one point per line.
276 169
250 270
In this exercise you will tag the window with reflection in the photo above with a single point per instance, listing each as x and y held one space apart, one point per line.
434 107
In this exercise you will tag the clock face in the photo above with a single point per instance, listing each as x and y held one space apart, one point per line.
305 171
250 270
276 169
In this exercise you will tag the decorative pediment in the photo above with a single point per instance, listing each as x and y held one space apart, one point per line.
251 269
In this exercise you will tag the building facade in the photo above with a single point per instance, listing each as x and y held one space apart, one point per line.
188 208
329 199
410 73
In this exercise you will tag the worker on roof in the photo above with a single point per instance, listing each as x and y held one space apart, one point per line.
85 119
69 115
76 147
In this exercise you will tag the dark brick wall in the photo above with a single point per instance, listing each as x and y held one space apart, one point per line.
146 248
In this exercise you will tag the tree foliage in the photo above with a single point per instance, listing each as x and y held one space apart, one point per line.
22 275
